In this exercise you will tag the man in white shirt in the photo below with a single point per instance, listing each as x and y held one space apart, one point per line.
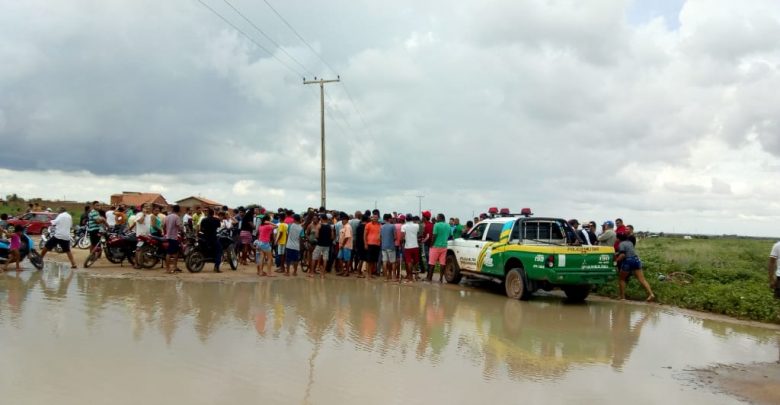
61 224
774 269
142 225
111 218
409 233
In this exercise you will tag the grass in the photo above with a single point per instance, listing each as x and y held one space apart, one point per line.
17 209
730 276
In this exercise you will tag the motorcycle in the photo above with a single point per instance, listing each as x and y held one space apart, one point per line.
118 247
82 238
48 233
203 252
153 249
26 251
121 247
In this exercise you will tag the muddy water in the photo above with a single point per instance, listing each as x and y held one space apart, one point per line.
69 338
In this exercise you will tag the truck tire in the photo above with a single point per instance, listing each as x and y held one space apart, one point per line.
452 270
516 285
576 293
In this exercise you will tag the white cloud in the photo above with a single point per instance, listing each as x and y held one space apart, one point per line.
242 187
568 107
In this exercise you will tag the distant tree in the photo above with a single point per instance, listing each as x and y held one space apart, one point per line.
14 198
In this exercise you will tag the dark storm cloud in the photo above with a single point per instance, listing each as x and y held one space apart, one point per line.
564 105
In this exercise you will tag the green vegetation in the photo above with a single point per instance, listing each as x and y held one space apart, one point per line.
16 206
729 276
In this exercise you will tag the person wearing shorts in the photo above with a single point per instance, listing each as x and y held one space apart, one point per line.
173 225
389 258
629 264
321 252
281 242
61 237
438 251
345 245
409 232
372 241
263 244
292 251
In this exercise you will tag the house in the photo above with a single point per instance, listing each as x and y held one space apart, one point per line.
134 198
193 201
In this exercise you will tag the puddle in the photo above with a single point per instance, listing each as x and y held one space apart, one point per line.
71 338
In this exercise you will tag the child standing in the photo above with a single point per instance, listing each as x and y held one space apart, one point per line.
13 249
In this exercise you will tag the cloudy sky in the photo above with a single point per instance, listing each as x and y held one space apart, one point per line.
665 113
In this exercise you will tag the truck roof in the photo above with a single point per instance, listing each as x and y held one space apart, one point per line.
505 219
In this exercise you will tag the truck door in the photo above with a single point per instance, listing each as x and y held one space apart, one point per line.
469 247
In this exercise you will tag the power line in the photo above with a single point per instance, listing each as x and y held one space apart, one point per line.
333 106
354 105
349 95
268 37
299 36
250 38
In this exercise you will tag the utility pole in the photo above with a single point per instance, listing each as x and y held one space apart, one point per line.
322 82
419 203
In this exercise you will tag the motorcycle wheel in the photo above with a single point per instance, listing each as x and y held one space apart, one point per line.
35 259
115 255
195 262
91 259
232 257
148 258
84 242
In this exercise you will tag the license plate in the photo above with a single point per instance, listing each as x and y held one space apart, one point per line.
139 244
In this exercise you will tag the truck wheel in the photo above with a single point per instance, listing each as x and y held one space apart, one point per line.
515 284
576 293
452 270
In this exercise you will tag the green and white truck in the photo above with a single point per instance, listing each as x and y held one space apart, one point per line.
527 254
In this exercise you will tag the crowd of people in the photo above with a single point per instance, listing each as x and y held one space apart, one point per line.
366 243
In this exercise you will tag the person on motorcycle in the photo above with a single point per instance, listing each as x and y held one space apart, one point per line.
3 224
61 237
94 223
208 227
121 219
142 225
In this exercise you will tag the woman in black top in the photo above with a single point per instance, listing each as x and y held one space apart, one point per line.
245 238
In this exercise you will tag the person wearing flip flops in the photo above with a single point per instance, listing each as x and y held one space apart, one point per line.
61 224
173 226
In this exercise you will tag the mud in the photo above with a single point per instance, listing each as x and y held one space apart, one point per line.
118 335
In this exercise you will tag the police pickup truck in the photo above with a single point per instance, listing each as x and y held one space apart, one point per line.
527 254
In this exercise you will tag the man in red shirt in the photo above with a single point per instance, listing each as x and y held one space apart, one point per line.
426 238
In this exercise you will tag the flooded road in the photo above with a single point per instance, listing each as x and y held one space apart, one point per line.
70 338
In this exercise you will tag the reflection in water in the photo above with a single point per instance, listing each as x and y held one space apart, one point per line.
353 321
528 340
